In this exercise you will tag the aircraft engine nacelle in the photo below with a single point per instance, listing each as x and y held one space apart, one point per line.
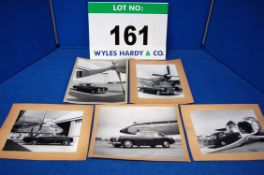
247 126
121 66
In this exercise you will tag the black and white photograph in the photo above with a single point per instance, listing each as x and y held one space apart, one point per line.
228 131
224 132
45 131
158 81
138 133
97 81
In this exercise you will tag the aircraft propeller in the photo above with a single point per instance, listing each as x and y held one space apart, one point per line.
41 124
166 76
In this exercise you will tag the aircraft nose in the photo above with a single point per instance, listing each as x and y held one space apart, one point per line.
125 131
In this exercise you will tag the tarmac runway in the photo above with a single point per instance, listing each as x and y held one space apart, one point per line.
15 146
251 147
148 95
109 96
103 148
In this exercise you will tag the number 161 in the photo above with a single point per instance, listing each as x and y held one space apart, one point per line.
130 37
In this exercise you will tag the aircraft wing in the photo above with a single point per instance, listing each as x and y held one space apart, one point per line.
82 68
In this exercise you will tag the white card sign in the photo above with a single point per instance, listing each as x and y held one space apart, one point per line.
127 30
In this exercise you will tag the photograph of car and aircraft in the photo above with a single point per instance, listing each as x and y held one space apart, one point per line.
96 81
228 130
158 81
138 133
45 131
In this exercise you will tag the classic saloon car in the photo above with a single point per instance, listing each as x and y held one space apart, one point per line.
48 138
143 138
158 91
88 88
220 139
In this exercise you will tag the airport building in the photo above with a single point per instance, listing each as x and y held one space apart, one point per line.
71 124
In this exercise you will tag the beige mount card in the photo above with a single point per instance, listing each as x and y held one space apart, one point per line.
138 132
46 132
161 82
224 132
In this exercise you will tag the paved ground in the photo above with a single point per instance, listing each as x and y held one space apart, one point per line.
109 96
147 95
103 148
252 147
13 146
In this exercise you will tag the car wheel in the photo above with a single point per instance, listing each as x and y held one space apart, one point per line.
152 146
66 143
223 143
158 92
166 144
128 144
92 91
33 142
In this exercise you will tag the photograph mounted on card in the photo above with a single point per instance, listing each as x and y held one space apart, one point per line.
224 132
132 29
138 132
46 132
97 82
159 82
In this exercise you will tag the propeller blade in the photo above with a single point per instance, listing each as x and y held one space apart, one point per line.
42 122
168 70
119 76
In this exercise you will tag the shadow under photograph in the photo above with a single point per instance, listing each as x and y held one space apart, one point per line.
138 133
97 81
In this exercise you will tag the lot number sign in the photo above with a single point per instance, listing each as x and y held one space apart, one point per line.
127 30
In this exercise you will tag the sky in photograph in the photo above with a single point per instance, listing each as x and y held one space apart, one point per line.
112 119
205 122
104 77
146 70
